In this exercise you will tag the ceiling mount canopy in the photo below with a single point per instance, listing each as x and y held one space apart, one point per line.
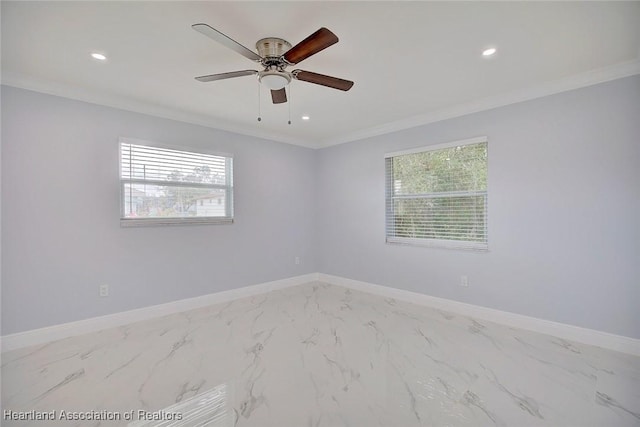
275 55
272 47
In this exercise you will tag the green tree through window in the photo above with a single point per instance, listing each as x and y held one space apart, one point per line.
438 195
166 186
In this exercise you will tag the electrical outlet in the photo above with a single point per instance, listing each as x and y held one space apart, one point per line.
104 290
464 281
297 260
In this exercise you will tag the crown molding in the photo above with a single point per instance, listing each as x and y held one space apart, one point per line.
576 81
124 103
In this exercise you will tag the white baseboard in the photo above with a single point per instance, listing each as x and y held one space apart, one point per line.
561 330
65 330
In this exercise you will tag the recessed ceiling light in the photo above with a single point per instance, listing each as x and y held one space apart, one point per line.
305 117
98 56
489 52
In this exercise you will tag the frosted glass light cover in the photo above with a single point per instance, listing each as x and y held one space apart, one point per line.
274 81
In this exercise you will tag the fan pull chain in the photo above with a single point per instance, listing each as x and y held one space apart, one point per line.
259 115
289 104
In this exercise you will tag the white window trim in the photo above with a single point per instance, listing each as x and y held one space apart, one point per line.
153 222
438 243
423 148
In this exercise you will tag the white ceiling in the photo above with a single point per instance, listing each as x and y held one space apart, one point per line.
412 62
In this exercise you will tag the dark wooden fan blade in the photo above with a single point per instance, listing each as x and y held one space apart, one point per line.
321 79
222 76
227 41
279 96
313 44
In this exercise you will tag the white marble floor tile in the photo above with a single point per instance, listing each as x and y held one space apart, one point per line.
323 356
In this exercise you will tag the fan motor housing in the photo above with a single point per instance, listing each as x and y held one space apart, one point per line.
272 47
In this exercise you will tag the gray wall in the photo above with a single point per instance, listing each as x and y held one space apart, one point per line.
564 211
61 236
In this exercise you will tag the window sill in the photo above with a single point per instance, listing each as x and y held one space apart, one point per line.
156 222
435 243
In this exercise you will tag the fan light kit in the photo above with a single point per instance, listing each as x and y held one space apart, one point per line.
274 80
275 55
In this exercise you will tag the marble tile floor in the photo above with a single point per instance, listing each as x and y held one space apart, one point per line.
322 356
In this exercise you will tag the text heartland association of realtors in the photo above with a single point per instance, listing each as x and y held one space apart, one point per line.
140 415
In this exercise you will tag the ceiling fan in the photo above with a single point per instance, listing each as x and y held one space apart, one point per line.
275 55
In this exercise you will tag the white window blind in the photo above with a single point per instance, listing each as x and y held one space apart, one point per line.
437 196
161 186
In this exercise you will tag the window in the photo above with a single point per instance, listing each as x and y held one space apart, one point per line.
161 186
437 196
